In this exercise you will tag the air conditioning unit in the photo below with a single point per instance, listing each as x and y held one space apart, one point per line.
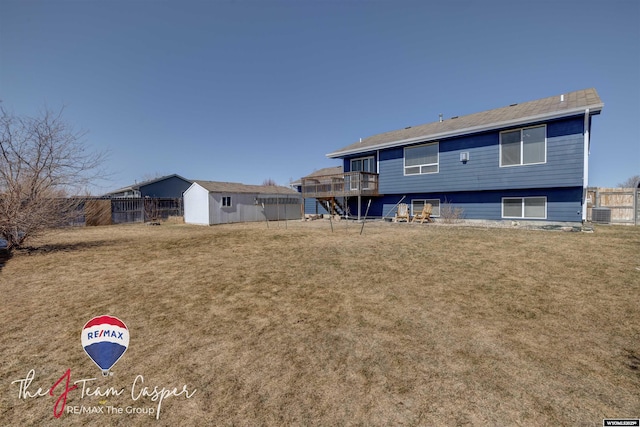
601 215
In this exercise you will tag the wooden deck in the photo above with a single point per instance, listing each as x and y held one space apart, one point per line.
346 184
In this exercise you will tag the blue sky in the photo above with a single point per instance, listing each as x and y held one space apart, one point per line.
248 90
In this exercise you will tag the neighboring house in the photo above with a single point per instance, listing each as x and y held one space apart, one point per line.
210 202
170 186
527 161
150 200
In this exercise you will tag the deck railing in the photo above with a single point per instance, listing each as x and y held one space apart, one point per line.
341 185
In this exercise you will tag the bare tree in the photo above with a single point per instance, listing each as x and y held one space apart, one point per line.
630 182
44 166
151 209
268 182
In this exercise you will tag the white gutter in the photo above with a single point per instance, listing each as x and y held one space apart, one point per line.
585 168
465 131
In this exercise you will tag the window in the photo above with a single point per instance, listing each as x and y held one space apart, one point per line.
523 146
226 201
364 164
524 207
421 159
417 205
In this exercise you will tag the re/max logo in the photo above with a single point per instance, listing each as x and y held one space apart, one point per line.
103 333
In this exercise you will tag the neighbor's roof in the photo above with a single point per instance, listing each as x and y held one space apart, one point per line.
333 170
572 103
151 181
236 187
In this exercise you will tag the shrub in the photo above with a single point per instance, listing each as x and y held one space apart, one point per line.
450 214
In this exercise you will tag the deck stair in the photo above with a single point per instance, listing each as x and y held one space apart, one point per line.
332 205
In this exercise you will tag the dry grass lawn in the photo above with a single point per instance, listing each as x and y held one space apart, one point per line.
402 325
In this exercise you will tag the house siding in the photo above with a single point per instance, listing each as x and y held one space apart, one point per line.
313 207
563 167
170 187
563 204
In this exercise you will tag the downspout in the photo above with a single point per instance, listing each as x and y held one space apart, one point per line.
585 168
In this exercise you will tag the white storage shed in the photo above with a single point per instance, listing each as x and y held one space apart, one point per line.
212 202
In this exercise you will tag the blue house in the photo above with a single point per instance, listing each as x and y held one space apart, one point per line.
170 186
526 161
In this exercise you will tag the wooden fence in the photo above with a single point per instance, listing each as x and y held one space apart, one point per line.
102 211
621 203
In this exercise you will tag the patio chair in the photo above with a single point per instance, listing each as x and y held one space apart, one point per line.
425 215
402 214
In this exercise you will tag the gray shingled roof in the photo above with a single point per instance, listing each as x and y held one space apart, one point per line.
572 103
332 170
235 187
151 181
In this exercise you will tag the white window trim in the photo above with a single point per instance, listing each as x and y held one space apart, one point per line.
425 201
523 210
404 160
522 147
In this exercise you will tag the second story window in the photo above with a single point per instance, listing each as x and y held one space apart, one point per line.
363 164
523 146
421 159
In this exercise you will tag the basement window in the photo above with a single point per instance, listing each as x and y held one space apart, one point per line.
524 207
417 205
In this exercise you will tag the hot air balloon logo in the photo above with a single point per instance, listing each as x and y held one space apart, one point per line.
105 339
